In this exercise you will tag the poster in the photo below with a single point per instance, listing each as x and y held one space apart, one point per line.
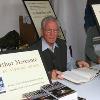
20 73
39 9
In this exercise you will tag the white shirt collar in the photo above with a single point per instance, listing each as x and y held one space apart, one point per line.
46 46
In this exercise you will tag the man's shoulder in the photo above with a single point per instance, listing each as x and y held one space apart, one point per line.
37 45
61 41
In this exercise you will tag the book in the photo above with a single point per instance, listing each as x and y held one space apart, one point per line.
38 95
82 75
54 91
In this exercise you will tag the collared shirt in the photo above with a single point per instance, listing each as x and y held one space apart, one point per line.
70 60
46 46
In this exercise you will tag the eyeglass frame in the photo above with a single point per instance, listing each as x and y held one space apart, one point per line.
51 30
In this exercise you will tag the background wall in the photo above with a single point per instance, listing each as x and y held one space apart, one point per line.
71 16
9 14
69 12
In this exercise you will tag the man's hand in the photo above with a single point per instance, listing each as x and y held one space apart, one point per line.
55 74
82 63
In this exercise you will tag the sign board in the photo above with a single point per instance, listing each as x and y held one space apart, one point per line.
39 9
20 73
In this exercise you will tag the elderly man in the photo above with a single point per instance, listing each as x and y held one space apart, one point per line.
52 49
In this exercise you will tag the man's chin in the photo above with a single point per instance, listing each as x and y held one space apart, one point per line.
51 43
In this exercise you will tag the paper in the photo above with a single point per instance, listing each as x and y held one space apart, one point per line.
96 9
21 72
81 75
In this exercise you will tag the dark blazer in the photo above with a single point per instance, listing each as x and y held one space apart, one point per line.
56 60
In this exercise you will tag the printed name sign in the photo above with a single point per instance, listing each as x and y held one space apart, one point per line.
21 72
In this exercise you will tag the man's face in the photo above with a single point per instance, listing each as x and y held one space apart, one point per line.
50 32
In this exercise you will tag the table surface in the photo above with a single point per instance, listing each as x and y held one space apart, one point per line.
89 90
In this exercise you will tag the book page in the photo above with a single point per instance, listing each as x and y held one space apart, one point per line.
21 72
85 72
96 8
80 75
73 77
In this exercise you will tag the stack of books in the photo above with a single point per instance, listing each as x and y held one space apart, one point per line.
54 91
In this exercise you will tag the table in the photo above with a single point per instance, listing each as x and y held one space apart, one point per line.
89 90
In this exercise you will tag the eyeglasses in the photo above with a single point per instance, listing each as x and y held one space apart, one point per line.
52 30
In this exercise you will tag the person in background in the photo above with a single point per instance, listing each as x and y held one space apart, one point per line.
52 49
92 32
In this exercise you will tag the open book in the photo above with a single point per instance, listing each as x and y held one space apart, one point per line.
81 75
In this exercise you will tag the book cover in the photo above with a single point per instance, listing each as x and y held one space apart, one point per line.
54 91
2 86
60 91
38 95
